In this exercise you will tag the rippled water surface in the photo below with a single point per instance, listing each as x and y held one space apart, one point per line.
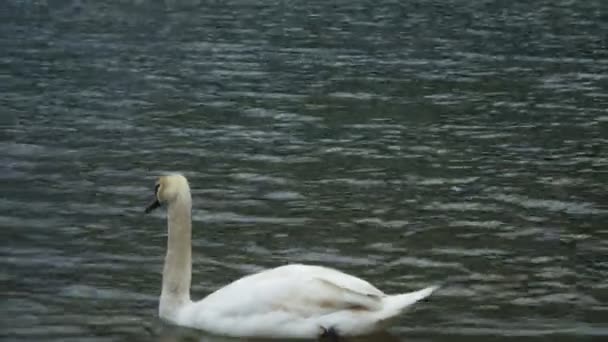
406 142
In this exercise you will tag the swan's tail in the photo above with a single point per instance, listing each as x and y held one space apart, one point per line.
394 305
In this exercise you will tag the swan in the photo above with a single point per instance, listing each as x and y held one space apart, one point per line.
291 301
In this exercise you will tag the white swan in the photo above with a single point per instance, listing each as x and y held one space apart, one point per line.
292 301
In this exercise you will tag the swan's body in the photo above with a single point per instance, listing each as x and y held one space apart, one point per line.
292 301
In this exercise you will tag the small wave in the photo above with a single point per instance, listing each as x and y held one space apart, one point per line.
580 208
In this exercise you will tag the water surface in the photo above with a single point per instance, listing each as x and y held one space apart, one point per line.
409 143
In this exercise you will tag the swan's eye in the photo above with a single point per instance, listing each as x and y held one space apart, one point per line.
156 189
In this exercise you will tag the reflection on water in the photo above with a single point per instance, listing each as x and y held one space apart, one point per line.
178 334
408 143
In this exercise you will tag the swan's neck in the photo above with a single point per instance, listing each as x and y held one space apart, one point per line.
177 271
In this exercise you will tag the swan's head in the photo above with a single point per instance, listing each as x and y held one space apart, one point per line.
168 189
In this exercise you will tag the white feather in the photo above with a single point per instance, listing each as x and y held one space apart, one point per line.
292 301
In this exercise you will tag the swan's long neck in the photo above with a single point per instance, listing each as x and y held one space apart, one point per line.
177 271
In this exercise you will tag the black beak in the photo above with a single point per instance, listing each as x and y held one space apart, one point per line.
155 204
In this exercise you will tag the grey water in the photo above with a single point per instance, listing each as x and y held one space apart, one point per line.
406 142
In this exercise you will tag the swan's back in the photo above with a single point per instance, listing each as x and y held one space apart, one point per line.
292 301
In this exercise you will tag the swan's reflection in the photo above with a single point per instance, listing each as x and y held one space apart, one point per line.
169 333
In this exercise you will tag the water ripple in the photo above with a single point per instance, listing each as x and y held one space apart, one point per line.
410 143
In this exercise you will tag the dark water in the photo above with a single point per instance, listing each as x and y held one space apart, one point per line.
406 142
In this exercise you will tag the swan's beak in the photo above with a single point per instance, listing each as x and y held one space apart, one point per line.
155 204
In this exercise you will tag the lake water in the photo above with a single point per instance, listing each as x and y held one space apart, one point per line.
407 142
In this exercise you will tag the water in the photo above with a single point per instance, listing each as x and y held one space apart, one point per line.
408 143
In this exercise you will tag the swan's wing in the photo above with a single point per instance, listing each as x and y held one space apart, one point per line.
332 296
296 290
341 279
